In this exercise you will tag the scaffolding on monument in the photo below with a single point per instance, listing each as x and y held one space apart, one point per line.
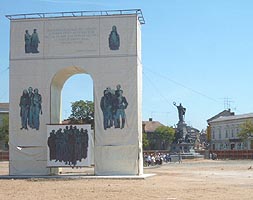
137 12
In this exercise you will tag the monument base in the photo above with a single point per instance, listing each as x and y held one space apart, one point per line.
181 147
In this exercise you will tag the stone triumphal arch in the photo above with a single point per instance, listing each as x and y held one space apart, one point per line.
45 50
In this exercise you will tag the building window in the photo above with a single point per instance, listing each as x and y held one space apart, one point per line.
219 133
226 133
213 135
232 133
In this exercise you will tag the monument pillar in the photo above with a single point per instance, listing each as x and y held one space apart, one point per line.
45 50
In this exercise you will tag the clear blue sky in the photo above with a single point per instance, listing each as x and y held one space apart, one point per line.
195 52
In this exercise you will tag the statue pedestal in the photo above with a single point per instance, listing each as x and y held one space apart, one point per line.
181 129
181 142
181 132
182 147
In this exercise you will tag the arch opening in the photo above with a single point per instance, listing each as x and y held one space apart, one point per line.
68 85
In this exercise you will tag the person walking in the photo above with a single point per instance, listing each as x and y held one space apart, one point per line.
179 157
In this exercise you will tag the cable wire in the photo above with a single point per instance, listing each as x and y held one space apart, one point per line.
182 85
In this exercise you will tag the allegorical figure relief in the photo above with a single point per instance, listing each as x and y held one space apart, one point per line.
30 108
114 40
27 42
36 103
31 42
113 105
30 112
24 104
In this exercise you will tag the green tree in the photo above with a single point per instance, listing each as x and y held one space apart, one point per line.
166 135
145 142
246 130
4 130
82 112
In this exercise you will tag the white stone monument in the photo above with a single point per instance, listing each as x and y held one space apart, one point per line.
48 48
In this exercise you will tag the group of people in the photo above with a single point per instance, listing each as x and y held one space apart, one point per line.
30 108
113 105
151 159
213 156
31 42
69 145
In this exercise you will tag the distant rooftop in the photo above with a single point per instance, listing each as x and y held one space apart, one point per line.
223 113
137 12
4 107
150 126
233 117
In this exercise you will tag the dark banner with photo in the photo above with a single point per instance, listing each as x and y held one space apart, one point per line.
69 145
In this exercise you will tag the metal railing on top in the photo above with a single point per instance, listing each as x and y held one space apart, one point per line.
137 12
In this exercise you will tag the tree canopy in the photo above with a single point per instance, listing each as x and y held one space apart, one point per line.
166 133
246 130
162 137
4 130
82 112
145 141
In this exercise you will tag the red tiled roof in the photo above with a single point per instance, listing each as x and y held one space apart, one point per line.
151 126
4 107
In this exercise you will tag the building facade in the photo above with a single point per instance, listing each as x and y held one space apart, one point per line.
224 132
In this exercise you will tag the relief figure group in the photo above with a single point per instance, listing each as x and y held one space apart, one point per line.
69 145
31 42
113 105
30 108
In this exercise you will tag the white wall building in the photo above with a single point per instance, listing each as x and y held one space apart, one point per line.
225 130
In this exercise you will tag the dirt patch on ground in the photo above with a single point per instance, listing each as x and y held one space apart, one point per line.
206 179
